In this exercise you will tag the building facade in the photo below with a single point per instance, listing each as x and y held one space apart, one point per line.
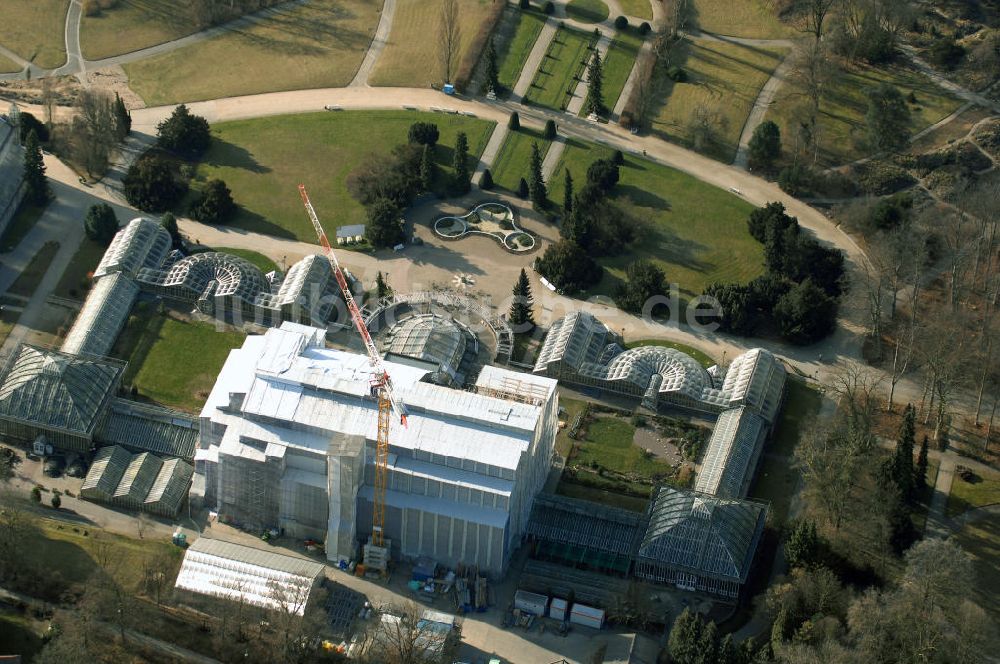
288 441
11 167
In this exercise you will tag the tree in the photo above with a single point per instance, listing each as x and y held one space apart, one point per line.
604 174
123 119
385 226
514 121
888 119
920 471
550 130
644 280
169 223
36 495
805 313
536 183
101 224
184 133
56 501
449 37
813 15
704 124
522 189
802 547
382 288
568 267
9 461
462 163
36 185
902 461
150 184
216 205
595 85
765 146
95 130
424 133
486 181
492 70
685 641
521 314
29 123
426 169
568 194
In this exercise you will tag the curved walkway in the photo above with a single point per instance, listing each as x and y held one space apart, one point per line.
759 110
379 41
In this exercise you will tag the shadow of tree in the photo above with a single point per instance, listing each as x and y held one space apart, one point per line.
225 154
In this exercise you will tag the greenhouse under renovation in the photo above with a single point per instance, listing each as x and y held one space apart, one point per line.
288 434
697 540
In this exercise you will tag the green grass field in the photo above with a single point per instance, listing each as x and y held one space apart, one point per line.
411 58
696 232
24 220
76 277
587 11
36 31
557 77
755 19
777 478
171 362
637 8
609 444
514 159
703 359
263 263
132 25
618 64
968 495
264 160
842 130
511 58
723 78
316 45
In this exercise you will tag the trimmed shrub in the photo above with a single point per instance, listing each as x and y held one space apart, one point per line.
524 4
621 23
549 8
550 130
522 189
486 182
514 123
645 28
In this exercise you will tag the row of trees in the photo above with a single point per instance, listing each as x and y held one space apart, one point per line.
800 289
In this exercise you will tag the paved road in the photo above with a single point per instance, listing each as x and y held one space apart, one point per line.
378 44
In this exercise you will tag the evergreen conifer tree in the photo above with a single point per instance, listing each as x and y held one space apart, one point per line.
382 288
123 119
920 472
521 314
595 85
462 163
492 70
903 461
35 183
536 183
426 169
486 182
685 642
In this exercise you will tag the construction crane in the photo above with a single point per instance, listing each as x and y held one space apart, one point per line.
380 383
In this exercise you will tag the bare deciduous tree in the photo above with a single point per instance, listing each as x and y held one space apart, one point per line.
450 37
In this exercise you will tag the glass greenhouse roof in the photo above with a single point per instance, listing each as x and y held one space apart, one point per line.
102 317
234 276
430 338
730 452
53 389
143 243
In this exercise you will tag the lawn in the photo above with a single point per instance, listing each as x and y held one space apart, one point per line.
411 57
35 30
968 495
703 359
637 8
132 25
24 220
777 479
75 280
173 362
263 263
609 443
755 19
561 69
695 232
512 56
316 45
981 540
514 159
8 66
618 64
264 160
587 11
27 282
842 126
723 79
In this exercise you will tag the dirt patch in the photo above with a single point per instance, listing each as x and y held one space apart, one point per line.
662 447
114 80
